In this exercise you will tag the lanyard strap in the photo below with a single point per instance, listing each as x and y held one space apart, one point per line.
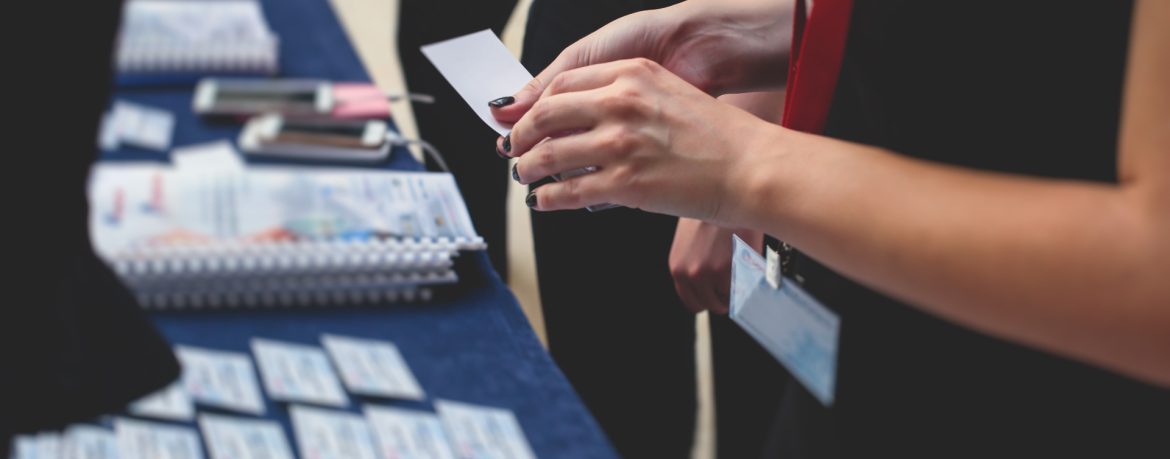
818 45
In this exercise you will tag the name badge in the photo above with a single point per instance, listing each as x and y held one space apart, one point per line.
789 323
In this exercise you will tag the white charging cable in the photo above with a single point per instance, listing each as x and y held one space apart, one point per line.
398 141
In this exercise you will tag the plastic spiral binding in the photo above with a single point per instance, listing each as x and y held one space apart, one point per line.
289 273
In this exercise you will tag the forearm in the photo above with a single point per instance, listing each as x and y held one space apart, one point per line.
1072 267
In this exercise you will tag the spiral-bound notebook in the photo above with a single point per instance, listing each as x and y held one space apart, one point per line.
277 236
166 39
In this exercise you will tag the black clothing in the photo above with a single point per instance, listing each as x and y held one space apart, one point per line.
1030 88
76 343
615 324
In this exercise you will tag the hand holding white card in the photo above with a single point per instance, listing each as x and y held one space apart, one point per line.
152 440
331 434
221 379
297 373
483 432
372 367
408 434
241 438
480 69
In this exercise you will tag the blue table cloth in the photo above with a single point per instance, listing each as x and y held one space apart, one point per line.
471 344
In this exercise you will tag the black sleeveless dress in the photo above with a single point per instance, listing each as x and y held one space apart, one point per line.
1028 87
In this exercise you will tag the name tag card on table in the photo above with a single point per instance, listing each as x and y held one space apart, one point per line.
137 125
171 403
408 434
78 442
298 373
371 367
483 432
152 440
331 434
793 326
230 437
221 379
89 442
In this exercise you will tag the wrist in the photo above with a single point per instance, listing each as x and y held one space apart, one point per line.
752 186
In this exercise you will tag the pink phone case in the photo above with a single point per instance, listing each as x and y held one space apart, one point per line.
359 100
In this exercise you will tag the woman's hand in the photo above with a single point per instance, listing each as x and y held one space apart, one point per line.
719 46
700 262
658 143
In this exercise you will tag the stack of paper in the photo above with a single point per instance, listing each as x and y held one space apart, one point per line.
212 232
183 37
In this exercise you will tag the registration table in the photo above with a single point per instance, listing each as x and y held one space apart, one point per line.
471 343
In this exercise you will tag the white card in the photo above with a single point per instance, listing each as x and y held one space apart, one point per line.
152 440
331 434
142 126
793 326
372 367
211 156
170 403
297 373
481 69
49 444
108 133
24 447
89 442
482 432
221 379
229 437
408 434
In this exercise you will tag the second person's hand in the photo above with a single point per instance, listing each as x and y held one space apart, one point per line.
719 46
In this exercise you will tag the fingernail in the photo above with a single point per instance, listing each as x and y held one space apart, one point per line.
515 175
502 102
531 200
501 155
508 143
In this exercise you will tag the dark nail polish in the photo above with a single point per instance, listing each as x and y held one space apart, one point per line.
502 102
531 199
508 143
515 175
501 155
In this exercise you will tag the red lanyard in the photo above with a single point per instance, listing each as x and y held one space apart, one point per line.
817 49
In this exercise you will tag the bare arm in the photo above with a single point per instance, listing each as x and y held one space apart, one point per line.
1076 268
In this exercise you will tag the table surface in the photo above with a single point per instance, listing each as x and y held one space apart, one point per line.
471 344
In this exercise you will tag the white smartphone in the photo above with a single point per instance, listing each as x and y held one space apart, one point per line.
246 97
316 138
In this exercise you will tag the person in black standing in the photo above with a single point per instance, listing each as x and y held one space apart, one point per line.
76 343
940 208
447 124
615 323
